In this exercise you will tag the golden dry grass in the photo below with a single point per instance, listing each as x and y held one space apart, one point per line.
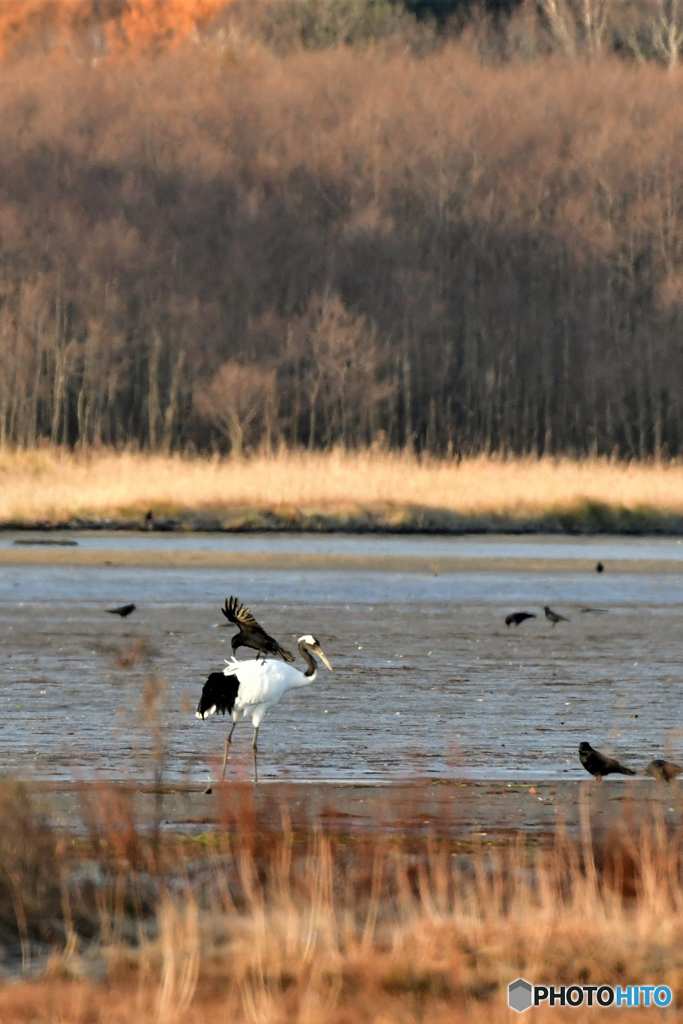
52 484
329 936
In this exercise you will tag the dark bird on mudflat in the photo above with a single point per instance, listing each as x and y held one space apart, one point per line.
599 764
514 618
599 567
663 770
250 633
554 616
123 610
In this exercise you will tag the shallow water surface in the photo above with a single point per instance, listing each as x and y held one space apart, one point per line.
428 681
397 545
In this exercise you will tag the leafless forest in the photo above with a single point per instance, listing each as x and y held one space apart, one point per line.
332 223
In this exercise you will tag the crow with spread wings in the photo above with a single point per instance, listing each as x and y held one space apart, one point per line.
250 633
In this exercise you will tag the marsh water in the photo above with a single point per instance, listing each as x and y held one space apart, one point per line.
428 681
396 545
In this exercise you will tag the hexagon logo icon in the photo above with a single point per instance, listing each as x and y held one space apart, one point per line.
519 995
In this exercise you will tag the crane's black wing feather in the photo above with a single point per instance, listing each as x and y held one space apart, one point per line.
218 695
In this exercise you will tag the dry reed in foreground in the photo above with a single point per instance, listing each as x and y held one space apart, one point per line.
54 485
320 930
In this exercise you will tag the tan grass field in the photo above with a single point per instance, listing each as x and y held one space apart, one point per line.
313 931
55 485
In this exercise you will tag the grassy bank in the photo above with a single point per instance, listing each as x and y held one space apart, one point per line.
251 925
370 490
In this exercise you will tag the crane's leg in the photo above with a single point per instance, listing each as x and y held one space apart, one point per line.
228 741
254 750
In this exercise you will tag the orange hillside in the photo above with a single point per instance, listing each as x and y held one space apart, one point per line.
158 24
128 26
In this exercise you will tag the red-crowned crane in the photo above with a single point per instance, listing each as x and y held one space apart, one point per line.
247 689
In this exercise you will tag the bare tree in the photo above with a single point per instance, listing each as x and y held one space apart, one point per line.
594 18
241 402
667 31
562 24
343 373
399 254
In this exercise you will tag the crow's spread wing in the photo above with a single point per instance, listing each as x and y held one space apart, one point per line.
239 614
250 628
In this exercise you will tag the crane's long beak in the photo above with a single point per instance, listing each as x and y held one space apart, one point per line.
323 657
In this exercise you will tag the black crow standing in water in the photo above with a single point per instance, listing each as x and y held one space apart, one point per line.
600 764
514 618
554 616
599 567
250 633
123 610
663 770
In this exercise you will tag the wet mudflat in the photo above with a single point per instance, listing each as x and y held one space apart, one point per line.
428 681
470 813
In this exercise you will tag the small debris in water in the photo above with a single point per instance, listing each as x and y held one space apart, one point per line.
45 542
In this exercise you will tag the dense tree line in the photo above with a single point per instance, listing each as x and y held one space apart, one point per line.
234 243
